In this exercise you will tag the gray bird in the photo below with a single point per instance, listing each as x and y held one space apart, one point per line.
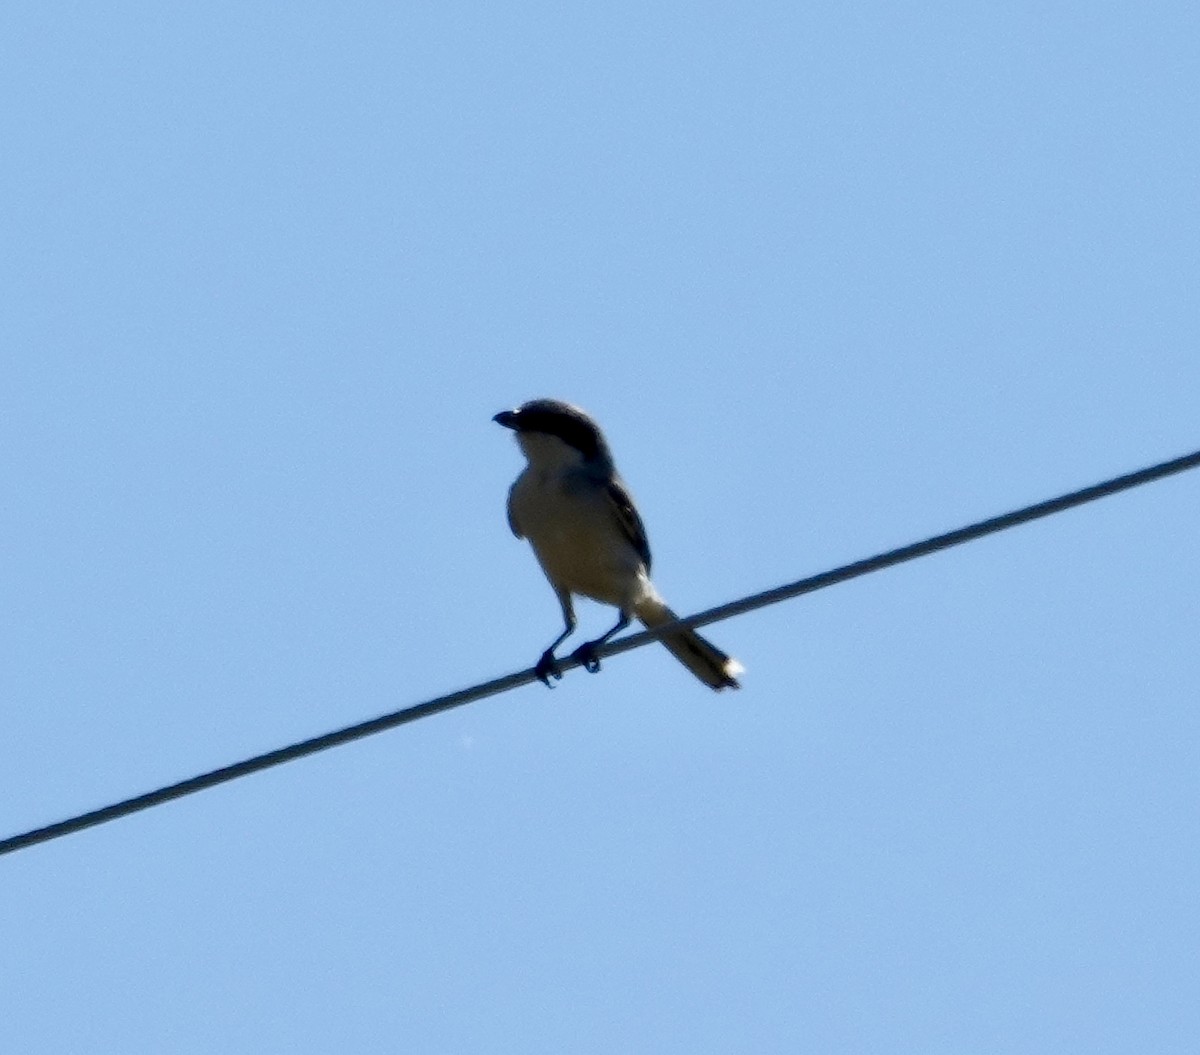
586 533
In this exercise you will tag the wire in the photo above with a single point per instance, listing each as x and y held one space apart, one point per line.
625 644
914 550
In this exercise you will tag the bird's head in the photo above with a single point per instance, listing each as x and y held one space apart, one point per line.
549 430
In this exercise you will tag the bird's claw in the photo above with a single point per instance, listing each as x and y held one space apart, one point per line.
586 654
547 668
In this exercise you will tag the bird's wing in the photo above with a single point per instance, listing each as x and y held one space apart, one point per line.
512 514
627 517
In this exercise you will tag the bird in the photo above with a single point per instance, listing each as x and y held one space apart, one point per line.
572 506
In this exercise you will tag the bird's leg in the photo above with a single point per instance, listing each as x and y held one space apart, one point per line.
586 653
547 667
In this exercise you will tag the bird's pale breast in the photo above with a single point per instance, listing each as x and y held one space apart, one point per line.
577 539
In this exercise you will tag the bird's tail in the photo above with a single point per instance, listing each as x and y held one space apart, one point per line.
700 656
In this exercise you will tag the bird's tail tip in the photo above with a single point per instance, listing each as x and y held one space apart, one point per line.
707 662
732 671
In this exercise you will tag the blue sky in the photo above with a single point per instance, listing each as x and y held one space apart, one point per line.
833 277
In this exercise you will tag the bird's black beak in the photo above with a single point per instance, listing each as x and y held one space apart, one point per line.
507 418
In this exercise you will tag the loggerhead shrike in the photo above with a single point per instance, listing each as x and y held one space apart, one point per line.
573 507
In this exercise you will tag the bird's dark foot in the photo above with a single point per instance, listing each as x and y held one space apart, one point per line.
547 668
586 654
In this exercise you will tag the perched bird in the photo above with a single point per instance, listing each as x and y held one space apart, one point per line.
586 533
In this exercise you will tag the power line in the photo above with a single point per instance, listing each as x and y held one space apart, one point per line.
914 550
612 648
